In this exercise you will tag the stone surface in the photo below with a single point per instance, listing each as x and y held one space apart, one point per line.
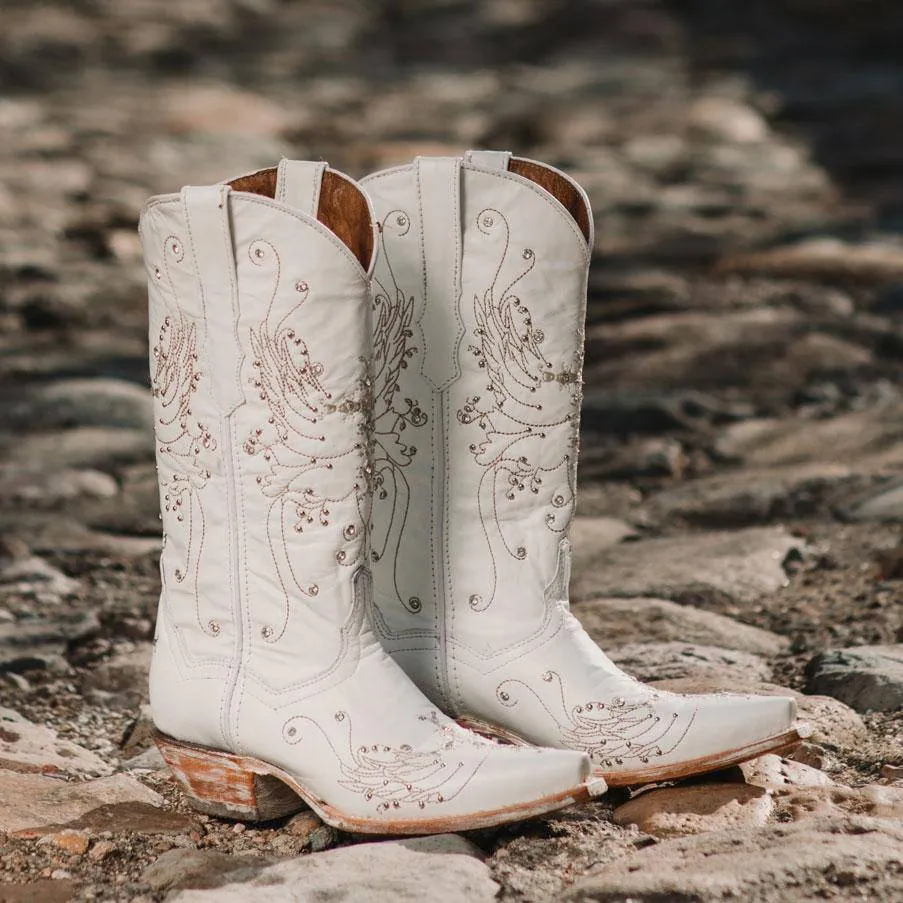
677 349
726 119
884 503
738 566
870 440
182 868
747 497
866 678
616 622
827 257
44 890
696 809
40 642
774 773
74 842
32 576
793 863
101 850
28 747
632 411
817 802
80 402
667 661
37 487
744 338
589 534
308 827
92 447
441 868
38 804
123 675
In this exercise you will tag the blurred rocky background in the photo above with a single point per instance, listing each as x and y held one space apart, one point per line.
742 495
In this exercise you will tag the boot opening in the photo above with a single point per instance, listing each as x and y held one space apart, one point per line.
558 186
342 208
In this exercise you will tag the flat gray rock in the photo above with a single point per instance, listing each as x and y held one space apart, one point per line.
36 487
28 747
883 503
122 677
36 804
696 809
41 642
748 496
738 566
866 678
670 661
789 863
441 869
868 440
93 447
826 257
81 402
616 622
590 534
32 577
187 868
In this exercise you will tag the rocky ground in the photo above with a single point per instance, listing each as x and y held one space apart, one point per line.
742 497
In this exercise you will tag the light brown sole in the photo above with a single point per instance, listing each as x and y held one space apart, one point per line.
776 745
248 789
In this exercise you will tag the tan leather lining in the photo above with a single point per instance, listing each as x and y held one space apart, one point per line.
263 182
558 186
342 208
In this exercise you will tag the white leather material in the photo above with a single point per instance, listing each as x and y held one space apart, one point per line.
487 159
478 515
260 326
298 184
440 231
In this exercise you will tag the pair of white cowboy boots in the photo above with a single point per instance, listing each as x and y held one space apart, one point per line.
367 450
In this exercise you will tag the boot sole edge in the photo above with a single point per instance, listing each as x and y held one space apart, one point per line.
776 744
245 788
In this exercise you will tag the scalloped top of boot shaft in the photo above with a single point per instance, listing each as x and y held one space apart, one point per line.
329 197
559 185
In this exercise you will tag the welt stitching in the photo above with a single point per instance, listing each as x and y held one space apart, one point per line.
200 281
236 301
227 424
456 303
281 176
435 425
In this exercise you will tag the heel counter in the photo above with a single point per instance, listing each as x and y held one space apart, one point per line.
186 701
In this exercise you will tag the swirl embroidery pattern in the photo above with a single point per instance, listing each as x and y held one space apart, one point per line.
392 350
395 776
183 442
514 417
608 732
295 444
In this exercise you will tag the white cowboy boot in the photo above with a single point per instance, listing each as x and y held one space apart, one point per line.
480 301
268 685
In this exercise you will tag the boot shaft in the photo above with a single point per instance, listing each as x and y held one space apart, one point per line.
480 294
260 357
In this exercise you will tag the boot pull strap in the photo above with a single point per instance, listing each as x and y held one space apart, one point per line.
485 159
207 215
439 202
298 184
